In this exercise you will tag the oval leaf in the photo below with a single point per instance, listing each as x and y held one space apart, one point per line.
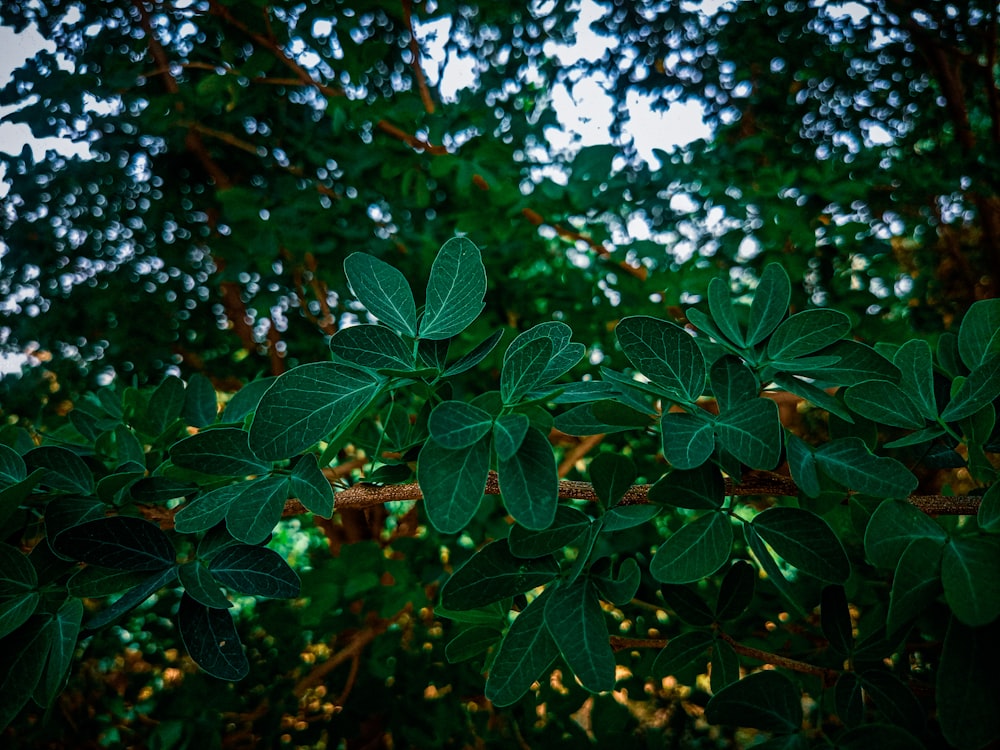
575 620
456 425
222 452
256 571
525 654
452 482
804 540
529 482
210 637
455 290
492 574
120 542
763 700
665 353
374 347
695 551
383 291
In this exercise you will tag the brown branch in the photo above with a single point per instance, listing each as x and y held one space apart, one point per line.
410 140
351 651
829 675
536 219
759 483
418 70
619 643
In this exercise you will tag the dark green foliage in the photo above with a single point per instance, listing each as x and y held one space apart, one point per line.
264 198
558 562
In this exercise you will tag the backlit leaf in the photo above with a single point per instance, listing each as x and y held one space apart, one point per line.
383 291
665 353
374 347
307 404
455 290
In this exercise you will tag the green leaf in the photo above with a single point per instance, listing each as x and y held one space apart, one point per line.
807 332
64 629
611 474
621 590
383 291
916 364
725 665
981 387
529 482
977 334
694 551
916 438
455 290
12 467
255 571
17 574
816 396
307 404
64 470
682 651
688 439
133 598
311 487
989 510
601 417
93 581
165 405
254 513
804 540
469 643
480 352
456 425
802 465
885 403
770 302
687 604
721 307
771 568
205 511
736 591
623 517
210 637
858 363
245 400
525 654
524 369
128 448
568 526
916 582
20 670
223 452
452 482
564 354
13 496
732 382
201 586
201 405
118 542
508 434
492 574
752 433
14 612
575 621
970 574
849 699
891 529
665 353
849 462
835 620
967 684
893 699
763 700
702 488
373 347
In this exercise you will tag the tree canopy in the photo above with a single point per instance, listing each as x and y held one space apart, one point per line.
541 445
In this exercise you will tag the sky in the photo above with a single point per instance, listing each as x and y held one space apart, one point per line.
584 112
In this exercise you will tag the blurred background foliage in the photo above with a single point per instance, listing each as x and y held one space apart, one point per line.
239 151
